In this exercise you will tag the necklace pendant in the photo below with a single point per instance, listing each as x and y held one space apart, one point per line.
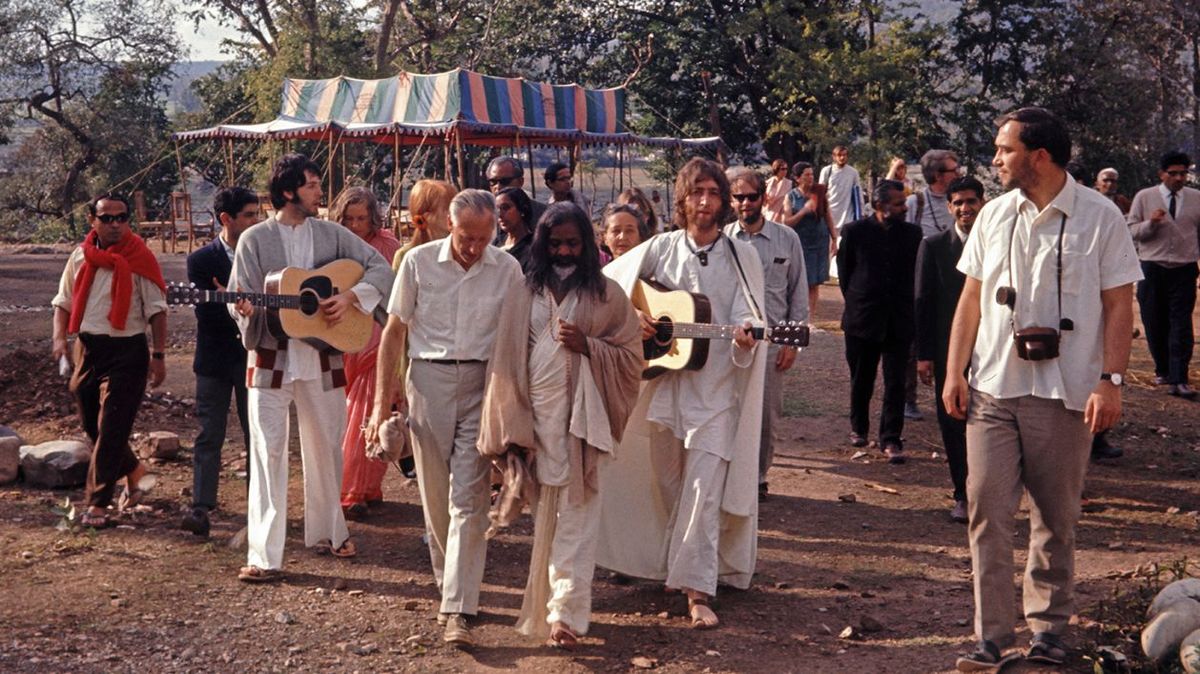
703 255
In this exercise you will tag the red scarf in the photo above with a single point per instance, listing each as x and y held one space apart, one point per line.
127 257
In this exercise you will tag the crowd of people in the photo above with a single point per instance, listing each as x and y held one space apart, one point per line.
508 345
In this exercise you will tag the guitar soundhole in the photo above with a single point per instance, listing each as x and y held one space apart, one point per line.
312 291
660 344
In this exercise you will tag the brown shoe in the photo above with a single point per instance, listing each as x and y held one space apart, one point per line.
457 632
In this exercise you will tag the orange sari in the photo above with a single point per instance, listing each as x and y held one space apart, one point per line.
362 478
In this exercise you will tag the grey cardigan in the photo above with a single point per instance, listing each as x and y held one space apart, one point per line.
260 252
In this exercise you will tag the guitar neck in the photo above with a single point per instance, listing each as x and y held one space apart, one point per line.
257 299
711 331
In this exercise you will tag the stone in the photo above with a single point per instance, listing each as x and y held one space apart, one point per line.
642 662
162 445
10 458
284 618
56 464
1188 588
1164 634
847 498
1189 653
7 432
849 633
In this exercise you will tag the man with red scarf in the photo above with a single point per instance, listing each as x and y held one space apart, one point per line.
111 289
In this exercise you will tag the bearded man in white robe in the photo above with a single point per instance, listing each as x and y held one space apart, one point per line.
683 507
560 386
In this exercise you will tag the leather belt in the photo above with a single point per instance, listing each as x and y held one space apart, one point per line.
451 361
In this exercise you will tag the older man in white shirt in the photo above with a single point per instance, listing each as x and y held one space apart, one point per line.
1044 320
444 310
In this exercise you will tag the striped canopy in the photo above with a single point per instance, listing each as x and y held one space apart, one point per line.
411 98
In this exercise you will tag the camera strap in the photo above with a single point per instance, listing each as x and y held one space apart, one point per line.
1058 264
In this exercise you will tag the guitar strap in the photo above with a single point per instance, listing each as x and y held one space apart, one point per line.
745 284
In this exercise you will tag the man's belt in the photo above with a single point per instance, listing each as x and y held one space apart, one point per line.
451 361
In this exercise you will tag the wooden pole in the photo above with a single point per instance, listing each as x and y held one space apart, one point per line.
446 158
621 167
462 172
229 161
397 185
532 174
329 169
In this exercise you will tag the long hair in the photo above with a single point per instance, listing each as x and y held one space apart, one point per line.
357 195
523 203
693 172
587 276
429 197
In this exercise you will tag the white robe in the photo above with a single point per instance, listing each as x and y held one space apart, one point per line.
716 410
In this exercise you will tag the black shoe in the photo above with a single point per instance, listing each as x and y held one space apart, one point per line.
1181 391
1102 450
408 467
196 522
985 658
1047 649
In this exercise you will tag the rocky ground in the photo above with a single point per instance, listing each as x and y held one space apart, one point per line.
846 541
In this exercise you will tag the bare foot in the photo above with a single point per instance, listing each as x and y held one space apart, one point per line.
700 612
563 637
135 476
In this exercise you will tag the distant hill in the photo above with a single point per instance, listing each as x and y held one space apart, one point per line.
180 98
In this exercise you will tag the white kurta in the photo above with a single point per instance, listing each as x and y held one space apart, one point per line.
566 532
682 499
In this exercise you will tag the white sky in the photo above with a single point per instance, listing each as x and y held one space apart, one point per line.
203 44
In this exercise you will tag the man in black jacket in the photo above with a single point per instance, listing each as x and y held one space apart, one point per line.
939 283
876 262
220 359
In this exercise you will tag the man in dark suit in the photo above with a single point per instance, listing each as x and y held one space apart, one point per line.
220 360
876 261
939 283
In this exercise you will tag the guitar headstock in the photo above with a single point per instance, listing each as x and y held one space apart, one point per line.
791 333
181 293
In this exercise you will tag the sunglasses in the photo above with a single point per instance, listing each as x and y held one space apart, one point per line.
109 219
753 196
504 181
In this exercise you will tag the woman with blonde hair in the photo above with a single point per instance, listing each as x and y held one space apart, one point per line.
633 196
357 209
429 208
898 171
778 186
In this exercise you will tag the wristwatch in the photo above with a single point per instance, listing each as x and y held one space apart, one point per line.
1116 378
157 355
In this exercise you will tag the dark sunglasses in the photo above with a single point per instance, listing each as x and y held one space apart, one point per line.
109 219
753 196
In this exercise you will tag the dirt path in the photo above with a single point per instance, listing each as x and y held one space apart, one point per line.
148 597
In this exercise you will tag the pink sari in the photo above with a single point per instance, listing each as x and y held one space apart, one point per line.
362 478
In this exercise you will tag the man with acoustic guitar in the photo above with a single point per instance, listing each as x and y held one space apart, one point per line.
282 370
685 509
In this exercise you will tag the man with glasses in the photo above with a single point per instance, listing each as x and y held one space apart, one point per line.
558 178
1106 184
782 259
111 289
1163 221
505 171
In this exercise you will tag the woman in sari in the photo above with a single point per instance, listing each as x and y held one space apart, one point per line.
362 479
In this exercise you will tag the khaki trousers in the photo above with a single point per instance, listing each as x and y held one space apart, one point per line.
445 403
1038 445
772 410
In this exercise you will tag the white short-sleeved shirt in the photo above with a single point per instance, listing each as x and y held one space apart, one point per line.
451 312
1098 254
147 300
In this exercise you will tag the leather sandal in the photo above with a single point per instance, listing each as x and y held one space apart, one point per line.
562 637
257 574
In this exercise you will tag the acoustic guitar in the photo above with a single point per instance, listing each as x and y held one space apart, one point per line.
292 300
684 326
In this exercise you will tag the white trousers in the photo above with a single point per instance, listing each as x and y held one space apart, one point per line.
445 403
573 556
694 480
322 418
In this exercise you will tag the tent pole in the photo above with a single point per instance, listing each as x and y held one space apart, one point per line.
462 173
397 185
532 174
446 159
329 169
621 167
229 161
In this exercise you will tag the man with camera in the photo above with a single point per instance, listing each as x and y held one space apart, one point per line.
1045 322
